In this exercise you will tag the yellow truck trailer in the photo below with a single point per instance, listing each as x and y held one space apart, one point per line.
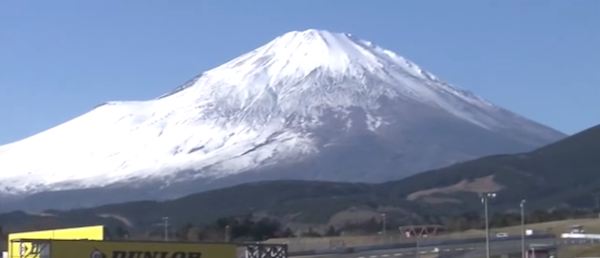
17 248
55 248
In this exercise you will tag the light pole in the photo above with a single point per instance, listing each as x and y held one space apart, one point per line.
417 251
484 200
166 224
227 230
383 219
523 228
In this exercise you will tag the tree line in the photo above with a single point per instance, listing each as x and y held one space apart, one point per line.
473 220
251 228
225 229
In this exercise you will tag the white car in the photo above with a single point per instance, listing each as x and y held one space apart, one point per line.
502 234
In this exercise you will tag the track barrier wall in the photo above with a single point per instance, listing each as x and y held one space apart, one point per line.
580 236
260 250
422 244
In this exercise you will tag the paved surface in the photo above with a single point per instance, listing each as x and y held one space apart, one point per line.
462 250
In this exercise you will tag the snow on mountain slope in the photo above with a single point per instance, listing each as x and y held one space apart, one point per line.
260 109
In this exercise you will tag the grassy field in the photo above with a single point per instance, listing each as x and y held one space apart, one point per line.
557 227
591 226
579 251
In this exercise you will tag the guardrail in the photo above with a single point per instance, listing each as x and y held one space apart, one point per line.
425 243
580 236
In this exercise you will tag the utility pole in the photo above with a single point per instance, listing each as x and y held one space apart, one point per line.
166 225
417 249
484 200
383 226
596 200
523 229
227 230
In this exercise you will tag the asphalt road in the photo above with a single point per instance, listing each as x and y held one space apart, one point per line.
461 250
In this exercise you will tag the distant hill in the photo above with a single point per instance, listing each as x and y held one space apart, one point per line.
563 174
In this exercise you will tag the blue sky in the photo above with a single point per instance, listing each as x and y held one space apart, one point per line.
59 58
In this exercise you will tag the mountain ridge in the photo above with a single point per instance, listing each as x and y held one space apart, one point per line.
311 99
532 176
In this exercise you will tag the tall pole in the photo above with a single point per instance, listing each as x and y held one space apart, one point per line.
484 200
417 251
523 229
166 225
383 218
487 229
227 230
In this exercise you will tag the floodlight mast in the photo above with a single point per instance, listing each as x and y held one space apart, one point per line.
484 199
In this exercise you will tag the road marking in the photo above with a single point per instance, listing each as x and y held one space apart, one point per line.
385 255
398 254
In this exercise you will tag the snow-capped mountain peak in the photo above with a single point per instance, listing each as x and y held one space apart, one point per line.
302 71
299 53
287 102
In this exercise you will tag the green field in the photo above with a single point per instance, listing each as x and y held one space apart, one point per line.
579 251
556 227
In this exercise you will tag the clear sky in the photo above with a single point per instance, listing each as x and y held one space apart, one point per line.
60 58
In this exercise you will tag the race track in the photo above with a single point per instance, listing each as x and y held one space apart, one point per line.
460 250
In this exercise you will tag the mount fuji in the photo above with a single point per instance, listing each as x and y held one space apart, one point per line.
313 105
